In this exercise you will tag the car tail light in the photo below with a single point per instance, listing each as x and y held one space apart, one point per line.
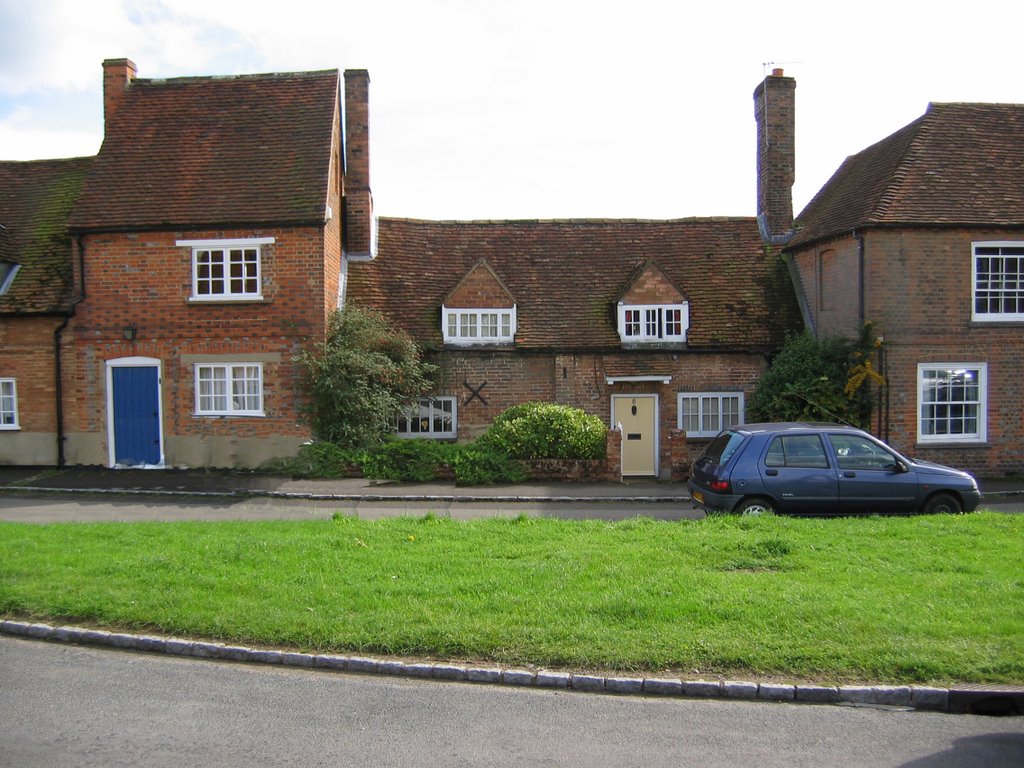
719 486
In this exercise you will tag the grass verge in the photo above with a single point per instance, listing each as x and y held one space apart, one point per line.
934 599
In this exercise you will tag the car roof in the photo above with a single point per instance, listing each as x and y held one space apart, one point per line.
785 426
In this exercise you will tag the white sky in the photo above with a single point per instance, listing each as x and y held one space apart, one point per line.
507 109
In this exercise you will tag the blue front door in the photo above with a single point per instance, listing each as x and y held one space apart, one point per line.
136 394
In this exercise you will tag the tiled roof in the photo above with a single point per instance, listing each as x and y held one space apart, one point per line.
35 200
567 275
958 164
207 151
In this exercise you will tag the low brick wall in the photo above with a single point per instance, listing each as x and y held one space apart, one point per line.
568 470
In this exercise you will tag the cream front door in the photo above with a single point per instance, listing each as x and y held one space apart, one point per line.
638 416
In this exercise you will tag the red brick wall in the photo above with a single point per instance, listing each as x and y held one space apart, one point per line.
145 280
918 294
581 381
480 289
28 357
652 288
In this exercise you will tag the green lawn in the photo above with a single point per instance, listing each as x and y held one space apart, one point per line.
932 599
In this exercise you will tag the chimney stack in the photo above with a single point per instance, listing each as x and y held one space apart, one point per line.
117 76
775 112
358 233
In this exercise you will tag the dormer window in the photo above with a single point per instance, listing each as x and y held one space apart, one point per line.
478 325
652 323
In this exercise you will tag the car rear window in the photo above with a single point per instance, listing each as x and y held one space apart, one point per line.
723 447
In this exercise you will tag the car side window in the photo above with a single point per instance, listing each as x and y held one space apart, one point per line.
797 451
856 452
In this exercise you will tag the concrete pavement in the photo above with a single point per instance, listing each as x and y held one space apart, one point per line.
227 483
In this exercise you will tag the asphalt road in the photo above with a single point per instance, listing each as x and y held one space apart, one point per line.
69 706
65 507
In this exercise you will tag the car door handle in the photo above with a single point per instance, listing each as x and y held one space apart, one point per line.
772 472
849 474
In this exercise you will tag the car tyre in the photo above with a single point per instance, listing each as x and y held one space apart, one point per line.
942 504
753 507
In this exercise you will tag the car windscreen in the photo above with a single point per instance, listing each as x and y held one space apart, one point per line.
722 448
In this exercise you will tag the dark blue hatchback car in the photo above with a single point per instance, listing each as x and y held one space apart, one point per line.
821 469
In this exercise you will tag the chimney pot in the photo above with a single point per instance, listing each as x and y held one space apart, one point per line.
777 72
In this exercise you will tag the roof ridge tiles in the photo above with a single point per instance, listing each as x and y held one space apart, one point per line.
571 221
187 79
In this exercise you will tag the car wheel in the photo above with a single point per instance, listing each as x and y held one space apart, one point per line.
755 507
942 504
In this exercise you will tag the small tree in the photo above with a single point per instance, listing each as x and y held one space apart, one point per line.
818 380
360 378
546 431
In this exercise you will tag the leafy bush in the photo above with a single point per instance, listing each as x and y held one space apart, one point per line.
817 380
475 465
546 431
410 461
318 460
360 377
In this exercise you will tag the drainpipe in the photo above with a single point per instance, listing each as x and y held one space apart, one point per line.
860 276
57 363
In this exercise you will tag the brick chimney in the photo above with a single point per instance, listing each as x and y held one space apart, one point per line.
775 112
117 76
358 233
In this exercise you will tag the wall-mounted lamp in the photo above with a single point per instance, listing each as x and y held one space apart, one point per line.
130 332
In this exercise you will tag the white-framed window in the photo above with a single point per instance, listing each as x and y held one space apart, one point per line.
229 389
431 417
705 414
8 404
952 402
998 281
7 272
226 270
478 325
653 322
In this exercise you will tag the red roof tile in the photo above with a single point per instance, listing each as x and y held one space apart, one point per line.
35 200
958 164
567 275
208 151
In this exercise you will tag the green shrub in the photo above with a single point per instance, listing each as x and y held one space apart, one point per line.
317 460
360 378
411 461
474 465
546 431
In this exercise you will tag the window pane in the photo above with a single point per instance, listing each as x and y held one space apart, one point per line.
631 321
950 402
652 326
8 404
998 287
673 322
690 413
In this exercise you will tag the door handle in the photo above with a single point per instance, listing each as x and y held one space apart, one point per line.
772 472
849 474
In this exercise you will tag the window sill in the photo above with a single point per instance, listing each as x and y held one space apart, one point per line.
229 415
655 344
228 300
951 444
